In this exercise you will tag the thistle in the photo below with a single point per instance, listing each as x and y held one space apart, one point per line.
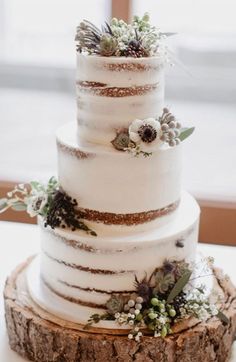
143 288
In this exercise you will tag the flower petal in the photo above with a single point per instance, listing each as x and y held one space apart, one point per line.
154 123
134 137
135 125
150 147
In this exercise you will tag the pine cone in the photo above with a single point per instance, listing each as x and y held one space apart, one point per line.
135 50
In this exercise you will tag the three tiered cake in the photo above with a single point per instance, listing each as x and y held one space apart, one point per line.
118 234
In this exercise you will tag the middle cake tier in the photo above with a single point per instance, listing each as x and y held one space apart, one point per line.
117 192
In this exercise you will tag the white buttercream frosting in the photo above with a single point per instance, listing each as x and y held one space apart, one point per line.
78 272
100 115
113 181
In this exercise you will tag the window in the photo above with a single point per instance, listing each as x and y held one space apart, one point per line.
212 17
204 47
41 32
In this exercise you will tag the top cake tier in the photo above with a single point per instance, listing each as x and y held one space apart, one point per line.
113 91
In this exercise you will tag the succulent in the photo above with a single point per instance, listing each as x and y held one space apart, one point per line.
115 304
122 140
108 45
163 282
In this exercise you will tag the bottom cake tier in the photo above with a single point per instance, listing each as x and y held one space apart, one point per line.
75 274
39 336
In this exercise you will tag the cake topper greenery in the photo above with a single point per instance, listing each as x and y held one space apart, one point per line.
145 136
167 297
48 201
117 38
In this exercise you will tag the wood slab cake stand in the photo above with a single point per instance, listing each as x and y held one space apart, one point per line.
39 336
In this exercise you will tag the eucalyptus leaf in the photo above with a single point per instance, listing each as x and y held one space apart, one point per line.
222 317
36 185
3 204
19 206
185 133
179 286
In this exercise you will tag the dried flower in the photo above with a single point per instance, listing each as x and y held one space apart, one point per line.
88 37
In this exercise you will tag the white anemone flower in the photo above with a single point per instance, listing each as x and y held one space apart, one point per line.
36 204
146 134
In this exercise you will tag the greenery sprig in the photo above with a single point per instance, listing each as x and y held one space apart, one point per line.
117 38
49 201
160 301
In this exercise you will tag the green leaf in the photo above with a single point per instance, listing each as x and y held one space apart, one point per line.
36 185
19 206
185 133
179 286
3 204
222 317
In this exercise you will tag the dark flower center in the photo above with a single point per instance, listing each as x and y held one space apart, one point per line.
147 133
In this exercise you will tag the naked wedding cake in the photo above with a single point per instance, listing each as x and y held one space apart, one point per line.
118 264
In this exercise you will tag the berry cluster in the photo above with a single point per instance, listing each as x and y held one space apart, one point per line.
62 213
170 128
